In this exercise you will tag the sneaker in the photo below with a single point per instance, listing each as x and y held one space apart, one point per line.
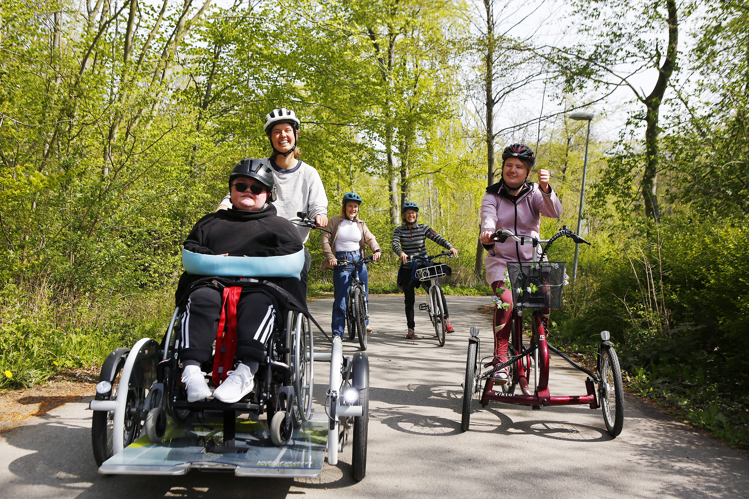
410 334
194 380
502 376
449 326
237 384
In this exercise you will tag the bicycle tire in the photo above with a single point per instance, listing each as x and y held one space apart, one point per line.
303 366
350 321
440 326
611 391
360 317
469 385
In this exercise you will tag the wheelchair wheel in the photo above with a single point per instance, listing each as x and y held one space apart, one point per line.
303 373
360 317
440 326
155 425
611 391
470 385
361 429
281 428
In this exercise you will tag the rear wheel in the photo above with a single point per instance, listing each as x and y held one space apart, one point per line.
611 391
512 378
361 429
440 326
360 316
469 384
303 368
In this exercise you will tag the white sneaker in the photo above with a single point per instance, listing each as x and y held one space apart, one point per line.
237 384
194 380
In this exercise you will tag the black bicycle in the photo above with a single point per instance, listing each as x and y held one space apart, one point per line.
426 270
357 311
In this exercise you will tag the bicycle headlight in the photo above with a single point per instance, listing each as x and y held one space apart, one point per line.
351 395
103 387
605 335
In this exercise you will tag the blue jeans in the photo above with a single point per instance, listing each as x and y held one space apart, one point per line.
341 283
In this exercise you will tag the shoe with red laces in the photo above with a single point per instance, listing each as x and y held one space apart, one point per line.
449 326
410 334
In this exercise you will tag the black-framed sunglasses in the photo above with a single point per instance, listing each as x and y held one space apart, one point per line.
254 188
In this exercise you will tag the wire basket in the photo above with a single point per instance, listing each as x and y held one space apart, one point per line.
537 284
432 272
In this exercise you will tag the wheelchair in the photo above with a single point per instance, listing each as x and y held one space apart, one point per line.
143 424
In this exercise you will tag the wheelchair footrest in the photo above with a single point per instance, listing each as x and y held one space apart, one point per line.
216 405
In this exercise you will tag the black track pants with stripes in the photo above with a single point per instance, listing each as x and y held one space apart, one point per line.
256 316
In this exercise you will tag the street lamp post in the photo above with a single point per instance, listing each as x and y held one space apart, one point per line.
581 116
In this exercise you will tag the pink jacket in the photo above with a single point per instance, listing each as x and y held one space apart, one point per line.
522 217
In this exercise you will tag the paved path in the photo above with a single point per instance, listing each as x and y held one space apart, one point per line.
416 448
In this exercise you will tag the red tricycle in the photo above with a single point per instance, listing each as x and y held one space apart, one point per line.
537 287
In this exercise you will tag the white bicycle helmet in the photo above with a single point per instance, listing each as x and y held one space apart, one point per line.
281 115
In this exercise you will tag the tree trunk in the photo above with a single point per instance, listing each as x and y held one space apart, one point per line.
652 103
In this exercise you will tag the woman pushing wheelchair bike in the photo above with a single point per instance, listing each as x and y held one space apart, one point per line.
346 240
516 204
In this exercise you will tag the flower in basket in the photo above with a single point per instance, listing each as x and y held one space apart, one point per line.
556 266
566 280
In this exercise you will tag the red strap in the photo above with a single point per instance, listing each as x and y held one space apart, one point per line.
226 336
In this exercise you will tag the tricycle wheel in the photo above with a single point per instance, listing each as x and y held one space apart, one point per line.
469 384
281 428
611 391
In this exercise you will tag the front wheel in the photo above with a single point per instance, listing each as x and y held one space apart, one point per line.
360 316
303 367
281 428
470 384
440 325
611 391
361 429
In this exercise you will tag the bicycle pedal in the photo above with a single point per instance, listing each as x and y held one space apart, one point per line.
423 306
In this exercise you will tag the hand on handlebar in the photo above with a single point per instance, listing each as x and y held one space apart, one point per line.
404 258
486 237
454 252
376 256
333 261
321 220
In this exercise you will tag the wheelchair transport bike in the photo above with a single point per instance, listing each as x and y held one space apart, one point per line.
357 311
143 424
537 287
426 270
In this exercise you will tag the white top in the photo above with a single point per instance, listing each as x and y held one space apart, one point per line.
297 189
348 236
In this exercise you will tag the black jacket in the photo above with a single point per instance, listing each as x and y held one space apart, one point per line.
244 233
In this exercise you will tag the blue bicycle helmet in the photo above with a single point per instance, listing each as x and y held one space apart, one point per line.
409 206
351 196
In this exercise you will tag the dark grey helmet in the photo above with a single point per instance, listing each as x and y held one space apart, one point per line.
260 170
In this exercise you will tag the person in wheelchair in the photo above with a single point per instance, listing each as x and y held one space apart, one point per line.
250 228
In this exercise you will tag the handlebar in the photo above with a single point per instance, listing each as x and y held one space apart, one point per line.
302 220
428 258
345 263
502 234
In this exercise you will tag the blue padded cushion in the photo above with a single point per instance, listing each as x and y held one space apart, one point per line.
244 266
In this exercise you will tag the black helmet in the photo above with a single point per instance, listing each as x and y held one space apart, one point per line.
520 151
351 196
409 206
257 169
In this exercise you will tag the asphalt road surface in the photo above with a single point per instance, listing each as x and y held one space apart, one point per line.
416 448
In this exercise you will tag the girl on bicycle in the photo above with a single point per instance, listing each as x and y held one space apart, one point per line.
409 239
347 241
516 204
